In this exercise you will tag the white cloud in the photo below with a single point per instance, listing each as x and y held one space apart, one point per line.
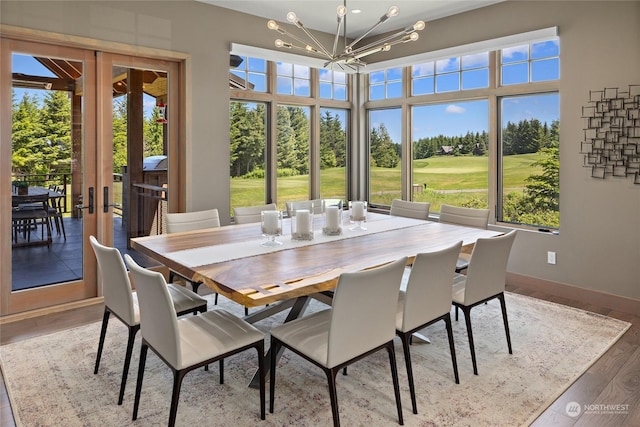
454 109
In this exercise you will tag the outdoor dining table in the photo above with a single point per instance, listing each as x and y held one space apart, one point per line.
35 196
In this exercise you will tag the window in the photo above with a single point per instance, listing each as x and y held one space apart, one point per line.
333 153
385 179
333 84
530 160
285 164
533 62
293 79
450 154
453 146
292 154
248 141
385 84
451 74
251 73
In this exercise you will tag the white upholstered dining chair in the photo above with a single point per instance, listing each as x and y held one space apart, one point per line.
122 302
304 204
191 221
338 336
418 210
427 300
471 217
249 214
188 343
484 281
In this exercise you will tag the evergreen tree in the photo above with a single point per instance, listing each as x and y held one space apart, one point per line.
383 151
119 126
27 135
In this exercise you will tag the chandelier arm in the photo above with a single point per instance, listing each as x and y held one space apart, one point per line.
376 25
312 37
335 40
378 42
299 40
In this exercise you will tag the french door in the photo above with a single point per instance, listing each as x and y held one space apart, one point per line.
57 133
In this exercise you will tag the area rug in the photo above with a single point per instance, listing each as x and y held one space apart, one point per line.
50 379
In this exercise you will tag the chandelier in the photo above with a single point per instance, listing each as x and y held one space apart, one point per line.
351 55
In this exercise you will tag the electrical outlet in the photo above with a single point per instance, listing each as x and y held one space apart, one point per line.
551 257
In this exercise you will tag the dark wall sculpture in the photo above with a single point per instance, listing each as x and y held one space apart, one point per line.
611 145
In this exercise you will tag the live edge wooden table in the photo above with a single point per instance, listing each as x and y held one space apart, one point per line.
286 276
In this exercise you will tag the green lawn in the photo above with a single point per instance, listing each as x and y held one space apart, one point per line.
440 173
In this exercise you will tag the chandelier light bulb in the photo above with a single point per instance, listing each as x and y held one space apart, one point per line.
279 43
386 47
414 36
341 11
272 25
393 11
419 26
291 17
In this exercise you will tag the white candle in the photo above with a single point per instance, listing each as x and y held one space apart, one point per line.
332 218
357 211
303 223
270 222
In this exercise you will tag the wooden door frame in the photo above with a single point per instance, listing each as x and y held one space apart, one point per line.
51 298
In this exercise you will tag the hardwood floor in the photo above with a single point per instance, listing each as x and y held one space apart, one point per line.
612 384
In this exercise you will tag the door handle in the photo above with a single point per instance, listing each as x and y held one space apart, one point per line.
105 192
90 205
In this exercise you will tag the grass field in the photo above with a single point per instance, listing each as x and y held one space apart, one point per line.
449 180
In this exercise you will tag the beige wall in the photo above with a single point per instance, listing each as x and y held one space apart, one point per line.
598 247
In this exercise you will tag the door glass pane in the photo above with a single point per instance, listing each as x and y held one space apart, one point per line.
140 155
46 167
385 181
292 154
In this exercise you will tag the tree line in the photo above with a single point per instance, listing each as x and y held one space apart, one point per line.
41 133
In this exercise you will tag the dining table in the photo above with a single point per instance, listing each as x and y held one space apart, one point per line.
232 260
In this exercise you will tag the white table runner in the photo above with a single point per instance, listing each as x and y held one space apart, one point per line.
229 251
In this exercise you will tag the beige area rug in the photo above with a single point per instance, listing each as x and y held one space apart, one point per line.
51 383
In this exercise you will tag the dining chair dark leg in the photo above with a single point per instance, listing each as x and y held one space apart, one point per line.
274 348
221 363
503 306
103 333
262 373
333 394
405 338
394 375
452 347
467 318
178 376
133 330
143 359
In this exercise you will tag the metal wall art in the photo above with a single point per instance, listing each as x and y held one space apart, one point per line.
611 145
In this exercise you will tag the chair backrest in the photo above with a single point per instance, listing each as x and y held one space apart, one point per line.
245 215
418 210
428 293
116 285
363 311
471 217
304 204
158 320
488 267
187 221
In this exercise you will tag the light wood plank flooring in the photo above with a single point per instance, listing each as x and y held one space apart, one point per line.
613 380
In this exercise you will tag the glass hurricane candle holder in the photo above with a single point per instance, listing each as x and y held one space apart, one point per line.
357 214
332 213
302 224
271 222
